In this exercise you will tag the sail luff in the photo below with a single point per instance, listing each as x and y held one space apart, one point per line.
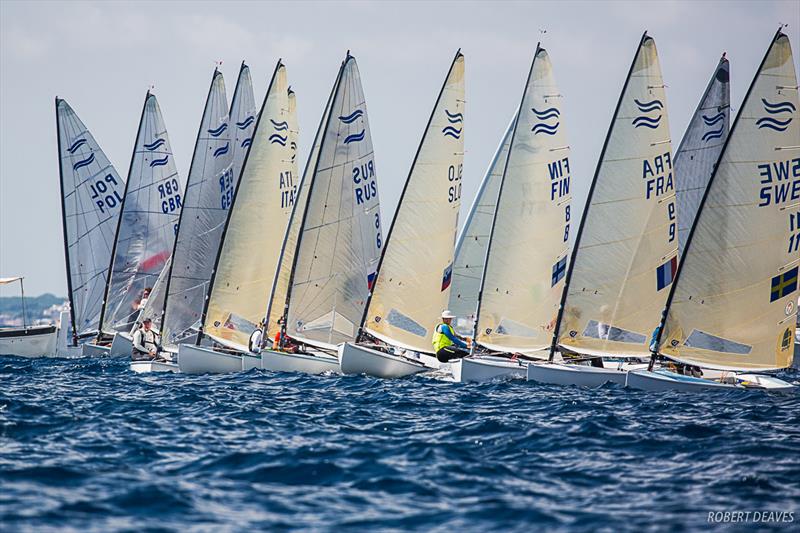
729 316
64 229
406 305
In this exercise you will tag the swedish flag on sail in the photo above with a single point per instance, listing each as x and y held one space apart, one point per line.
783 285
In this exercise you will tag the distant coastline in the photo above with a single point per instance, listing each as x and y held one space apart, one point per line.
42 309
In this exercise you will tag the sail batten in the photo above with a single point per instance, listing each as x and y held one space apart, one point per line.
625 253
248 256
416 267
91 200
733 304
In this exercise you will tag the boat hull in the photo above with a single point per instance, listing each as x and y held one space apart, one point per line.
34 341
578 375
478 369
91 349
669 381
250 361
309 363
194 359
142 367
121 346
355 359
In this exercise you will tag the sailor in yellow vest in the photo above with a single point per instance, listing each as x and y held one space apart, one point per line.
446 343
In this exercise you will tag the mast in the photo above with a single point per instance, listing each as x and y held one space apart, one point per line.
211 281
654 353
497 203
66 237
180 217
556 329
119 222
348 57
402 195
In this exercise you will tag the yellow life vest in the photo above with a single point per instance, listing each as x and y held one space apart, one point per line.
440 340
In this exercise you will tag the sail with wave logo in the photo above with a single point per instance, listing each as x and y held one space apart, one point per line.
340 238
243 121
251 244
700 148
416 268
203 215
91 201
472 241
626 249
733 304
148 222
526 256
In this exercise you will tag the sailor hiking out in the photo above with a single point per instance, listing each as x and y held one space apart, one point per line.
446 343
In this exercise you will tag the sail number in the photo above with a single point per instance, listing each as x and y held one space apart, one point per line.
780 182
657 175
378 241
104 193
226 188
559 188
454 192
672 220
794 228
288 189
170 195
366 187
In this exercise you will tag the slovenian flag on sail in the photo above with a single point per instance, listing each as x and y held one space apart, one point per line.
666 273
783 284
559 270
447 276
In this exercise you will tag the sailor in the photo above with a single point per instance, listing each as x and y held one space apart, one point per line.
446 343
288 345
145 342
256 338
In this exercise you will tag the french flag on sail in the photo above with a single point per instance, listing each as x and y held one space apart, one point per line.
371 280
447 277
666 273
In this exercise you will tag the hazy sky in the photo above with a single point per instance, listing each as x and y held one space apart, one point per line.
102 57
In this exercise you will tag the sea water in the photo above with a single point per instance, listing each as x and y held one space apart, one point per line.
88 445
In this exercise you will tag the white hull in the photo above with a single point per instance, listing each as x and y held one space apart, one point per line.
200 360
485 368
309 363
121 346
141 367
669 381
36 341
250 361
355 359
578 375
91 349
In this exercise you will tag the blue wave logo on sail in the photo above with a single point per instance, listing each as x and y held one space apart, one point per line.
778 108
245 123
218 131
710 121
458 120
278 138
279 126
159 162
247 142
293 146
222 150
647 107
83 162
349 119
77 144
356 137
155 144
544 115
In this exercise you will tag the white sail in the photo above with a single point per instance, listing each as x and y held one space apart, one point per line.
471 246
700 148
243 117
733 305
416 270
91 201
252 240
147 226
153 306
626 249
340 235
203 215
526 260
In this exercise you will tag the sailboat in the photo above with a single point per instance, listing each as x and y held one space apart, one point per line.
528 243
700 147
91 202
471 244
249 253
145 233
415 270
732 306
626 248
333 245
29 340
243 115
